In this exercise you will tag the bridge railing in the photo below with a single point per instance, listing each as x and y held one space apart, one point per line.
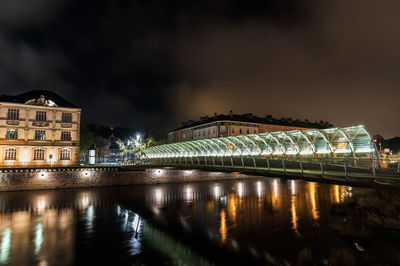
340 167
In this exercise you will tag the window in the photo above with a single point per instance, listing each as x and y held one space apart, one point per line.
255 131
240 131
11 154
12 133
13 114
41 116
66 118
40 135
65 136
65 154
38 154
233 130
208 132
248 131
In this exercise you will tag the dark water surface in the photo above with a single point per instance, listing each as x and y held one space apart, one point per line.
241 222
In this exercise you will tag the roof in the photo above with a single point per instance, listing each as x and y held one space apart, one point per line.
35 94
255 119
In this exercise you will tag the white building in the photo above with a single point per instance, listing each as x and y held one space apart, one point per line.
235 125
38 128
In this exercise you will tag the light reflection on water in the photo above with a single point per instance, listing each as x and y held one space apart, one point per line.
41 227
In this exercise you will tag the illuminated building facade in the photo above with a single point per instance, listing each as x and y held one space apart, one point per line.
236 125
38 128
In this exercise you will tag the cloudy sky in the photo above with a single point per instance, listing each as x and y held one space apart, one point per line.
150 64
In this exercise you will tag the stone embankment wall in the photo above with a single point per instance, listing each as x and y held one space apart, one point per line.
33 179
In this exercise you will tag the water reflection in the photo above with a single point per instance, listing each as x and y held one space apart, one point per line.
238 216
312 191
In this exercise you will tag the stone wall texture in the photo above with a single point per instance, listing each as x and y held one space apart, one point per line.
34 179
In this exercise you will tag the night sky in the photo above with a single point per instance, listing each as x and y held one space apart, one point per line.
151 64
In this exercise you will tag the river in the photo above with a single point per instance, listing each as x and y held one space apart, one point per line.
239 222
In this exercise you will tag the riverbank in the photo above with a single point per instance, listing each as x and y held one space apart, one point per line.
75 177
57 178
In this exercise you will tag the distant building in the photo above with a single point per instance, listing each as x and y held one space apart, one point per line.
38 128
234 125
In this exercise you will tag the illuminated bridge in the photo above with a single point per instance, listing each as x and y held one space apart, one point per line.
342 152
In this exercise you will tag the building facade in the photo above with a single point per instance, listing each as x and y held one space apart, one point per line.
235 125
38 129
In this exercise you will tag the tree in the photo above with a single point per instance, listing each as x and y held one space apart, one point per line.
87 140
102 146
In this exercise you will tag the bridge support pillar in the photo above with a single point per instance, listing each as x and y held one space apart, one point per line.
254 162
373 168
232 161
283 165
241 158
301 167
398 167
268 165
322 167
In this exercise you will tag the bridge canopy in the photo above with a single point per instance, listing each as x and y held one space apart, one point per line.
332 142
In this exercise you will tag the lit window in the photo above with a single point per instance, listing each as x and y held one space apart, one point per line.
13 114
65 136
66 118
41 116
12 133
38 154
65 154
11 154
40 135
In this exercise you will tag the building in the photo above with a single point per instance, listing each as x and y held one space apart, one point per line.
38 128
235 125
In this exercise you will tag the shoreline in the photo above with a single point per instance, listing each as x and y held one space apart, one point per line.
78 177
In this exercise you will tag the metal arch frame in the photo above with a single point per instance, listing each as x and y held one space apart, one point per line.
266 144
226 146
291 140
206 144
282 147
190 148
184 147
348 141
213 141
308 141
174 148
319 131
233 143
236 137
255 145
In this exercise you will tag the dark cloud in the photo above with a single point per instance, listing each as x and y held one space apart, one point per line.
151 64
